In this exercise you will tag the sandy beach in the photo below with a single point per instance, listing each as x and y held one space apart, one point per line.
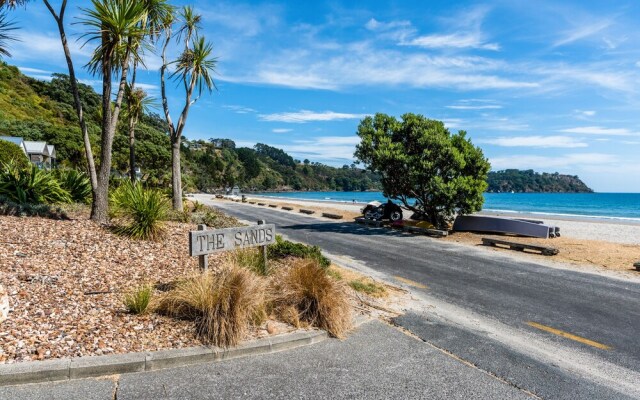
601 243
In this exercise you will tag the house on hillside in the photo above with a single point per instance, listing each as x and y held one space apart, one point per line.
40 153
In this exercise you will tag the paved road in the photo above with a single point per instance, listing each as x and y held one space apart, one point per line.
376 362
481 307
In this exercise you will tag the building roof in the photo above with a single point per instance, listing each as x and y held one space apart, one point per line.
51 149
36 147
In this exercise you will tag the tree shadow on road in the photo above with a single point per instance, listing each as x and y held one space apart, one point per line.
346 228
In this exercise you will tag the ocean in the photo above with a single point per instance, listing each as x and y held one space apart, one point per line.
623 206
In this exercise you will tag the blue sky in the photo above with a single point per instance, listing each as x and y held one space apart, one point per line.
547 85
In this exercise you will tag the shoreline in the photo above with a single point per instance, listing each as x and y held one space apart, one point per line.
355 207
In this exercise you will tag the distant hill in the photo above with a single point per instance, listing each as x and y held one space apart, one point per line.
41 110
529 181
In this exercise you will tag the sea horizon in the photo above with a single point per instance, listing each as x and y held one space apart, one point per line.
596 205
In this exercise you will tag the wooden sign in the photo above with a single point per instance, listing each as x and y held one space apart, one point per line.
203 242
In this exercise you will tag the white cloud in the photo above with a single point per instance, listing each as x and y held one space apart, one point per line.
474 107
29 71
47 46
536 141
574 161
598 130
472 40
239 109
304 116
584 113
281 130
582 31
452 123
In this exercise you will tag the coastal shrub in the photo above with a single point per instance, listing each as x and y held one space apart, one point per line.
30 185
12 152
284 248
424 166
76 183
8 207
137 301
304 292
223 304
141 211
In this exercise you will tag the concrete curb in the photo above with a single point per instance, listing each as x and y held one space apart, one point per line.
94 366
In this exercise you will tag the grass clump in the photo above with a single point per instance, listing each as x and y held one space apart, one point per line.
137 301
335 274
222 304
305 293
141 211
284 248
370 288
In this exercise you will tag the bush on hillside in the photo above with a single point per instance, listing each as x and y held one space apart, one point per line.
31 185
11 152
141 211
284 248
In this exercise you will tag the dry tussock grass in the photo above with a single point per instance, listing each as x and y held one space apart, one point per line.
305 294
222 304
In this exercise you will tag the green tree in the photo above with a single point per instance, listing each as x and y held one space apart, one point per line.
430 170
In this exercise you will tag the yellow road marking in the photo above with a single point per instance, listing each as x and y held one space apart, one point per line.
569 335
410 282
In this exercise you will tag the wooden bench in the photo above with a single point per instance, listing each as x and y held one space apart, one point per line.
262 204
287 208
252 202
426 231
637 265
273 205
302 210
332 216
547 251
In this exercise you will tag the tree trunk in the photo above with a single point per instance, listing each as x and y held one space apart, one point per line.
91 168
176 176
132 151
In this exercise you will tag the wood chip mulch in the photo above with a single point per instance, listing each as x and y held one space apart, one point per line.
66 281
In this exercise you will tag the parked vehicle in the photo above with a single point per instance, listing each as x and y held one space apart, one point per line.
377 211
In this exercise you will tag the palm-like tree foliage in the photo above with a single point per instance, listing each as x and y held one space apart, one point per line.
31 185
6 27
156 13
115 24
195 67
190 25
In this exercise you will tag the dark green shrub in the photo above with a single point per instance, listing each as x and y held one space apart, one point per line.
76 183
30 185
141 210
284 248
12 152
8 207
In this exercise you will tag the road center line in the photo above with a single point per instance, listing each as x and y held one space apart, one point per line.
410 282
568 335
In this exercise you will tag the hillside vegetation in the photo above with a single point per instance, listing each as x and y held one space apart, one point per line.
514 180
39 110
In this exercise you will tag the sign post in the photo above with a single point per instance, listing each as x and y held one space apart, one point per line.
203 260
203 242
263 250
